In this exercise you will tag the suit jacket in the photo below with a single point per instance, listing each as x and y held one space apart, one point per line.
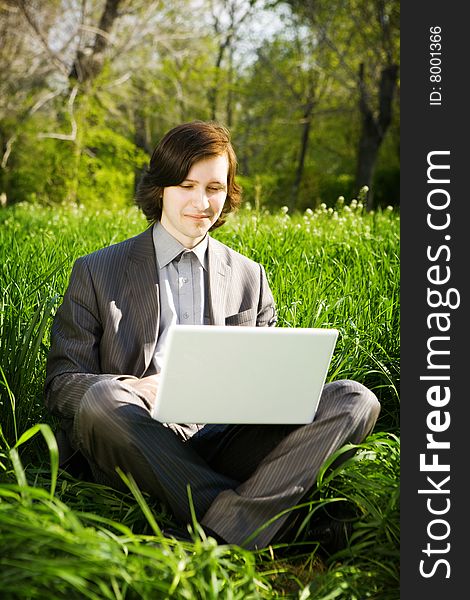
108 322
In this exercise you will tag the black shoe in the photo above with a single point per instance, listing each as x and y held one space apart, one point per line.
327 530
332 535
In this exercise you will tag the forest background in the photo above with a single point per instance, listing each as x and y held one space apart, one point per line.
309 89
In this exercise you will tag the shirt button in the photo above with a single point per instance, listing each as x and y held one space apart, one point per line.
186 315
185 280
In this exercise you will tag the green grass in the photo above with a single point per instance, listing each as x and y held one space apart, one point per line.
64 538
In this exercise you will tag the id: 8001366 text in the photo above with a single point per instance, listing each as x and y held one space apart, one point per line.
435 68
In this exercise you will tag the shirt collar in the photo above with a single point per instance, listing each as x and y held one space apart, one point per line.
167 248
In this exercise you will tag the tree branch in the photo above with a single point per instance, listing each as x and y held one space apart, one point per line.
73 134
8 148
34 26
88 63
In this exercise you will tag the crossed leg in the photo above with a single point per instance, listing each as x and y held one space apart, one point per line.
241 476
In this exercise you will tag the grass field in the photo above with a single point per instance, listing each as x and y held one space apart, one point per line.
64 538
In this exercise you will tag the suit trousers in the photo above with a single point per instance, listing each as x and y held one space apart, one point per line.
241 476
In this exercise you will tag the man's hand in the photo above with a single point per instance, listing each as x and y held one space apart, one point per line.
146 387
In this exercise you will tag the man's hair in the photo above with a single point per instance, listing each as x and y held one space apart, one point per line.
173 158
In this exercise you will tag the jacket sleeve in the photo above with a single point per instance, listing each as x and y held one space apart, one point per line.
73 363
267 316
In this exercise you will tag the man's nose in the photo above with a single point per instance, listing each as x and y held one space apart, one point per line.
200 200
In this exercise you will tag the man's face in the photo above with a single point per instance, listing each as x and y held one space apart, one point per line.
192 207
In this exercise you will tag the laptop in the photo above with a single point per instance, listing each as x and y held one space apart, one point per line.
235 375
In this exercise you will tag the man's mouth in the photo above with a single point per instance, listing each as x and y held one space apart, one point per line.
197 217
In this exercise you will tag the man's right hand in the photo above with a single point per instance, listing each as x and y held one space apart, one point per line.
146 387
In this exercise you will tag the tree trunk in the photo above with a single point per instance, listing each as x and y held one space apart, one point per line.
214 89
85 69
141 140
229 89
87 66
373 129
307 121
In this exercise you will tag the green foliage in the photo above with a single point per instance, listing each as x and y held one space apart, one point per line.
374 542
108 167
82 540
387 175
261 88
44 170
365 487
48 549
333 266
329 267
294 69
261 191
40 169
325 189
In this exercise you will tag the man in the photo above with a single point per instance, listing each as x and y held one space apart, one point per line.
108 343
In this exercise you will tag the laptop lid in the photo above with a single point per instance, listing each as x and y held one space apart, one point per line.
257 375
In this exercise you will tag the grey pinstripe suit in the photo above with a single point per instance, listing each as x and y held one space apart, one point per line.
103 339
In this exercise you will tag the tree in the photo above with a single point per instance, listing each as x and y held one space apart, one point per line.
88 86
24 67
59 70
376 112
289 91
89 60
228 18
364 34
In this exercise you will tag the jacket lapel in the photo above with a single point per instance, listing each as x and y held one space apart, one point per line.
219 276
142 275
143 285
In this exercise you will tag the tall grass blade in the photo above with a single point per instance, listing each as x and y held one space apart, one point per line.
51 442
11 398
134 488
